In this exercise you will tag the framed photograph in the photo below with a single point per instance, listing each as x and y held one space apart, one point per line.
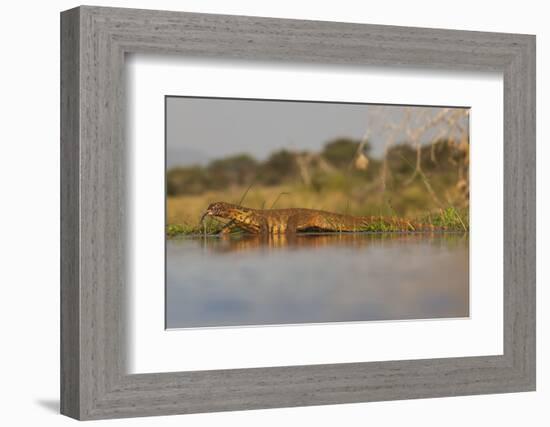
304 219
263 213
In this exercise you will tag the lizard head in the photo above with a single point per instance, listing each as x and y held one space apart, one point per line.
223 210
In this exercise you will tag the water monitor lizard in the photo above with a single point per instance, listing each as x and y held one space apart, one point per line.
292 220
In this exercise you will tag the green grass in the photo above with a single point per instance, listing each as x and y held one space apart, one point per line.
380 227
208 227
451 218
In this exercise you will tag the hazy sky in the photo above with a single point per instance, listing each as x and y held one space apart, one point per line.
201 129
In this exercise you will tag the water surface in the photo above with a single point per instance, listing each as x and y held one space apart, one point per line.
253 280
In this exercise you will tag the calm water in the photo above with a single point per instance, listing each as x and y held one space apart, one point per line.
214 281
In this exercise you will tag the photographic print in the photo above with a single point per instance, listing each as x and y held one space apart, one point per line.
286 212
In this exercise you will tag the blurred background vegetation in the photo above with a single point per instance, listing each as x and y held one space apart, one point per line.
411 179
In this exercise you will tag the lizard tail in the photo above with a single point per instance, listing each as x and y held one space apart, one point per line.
375 223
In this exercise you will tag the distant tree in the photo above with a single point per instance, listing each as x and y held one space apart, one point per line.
280 166
235 170
341 152
186 180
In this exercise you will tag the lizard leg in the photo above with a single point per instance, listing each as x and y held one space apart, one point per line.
263 228
230 229
292 225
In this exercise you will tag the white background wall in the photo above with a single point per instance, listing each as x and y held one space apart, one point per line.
29 224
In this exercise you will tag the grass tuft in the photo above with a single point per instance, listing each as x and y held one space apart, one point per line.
184 229
450 218
380 227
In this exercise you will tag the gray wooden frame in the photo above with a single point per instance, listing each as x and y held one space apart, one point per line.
94 41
